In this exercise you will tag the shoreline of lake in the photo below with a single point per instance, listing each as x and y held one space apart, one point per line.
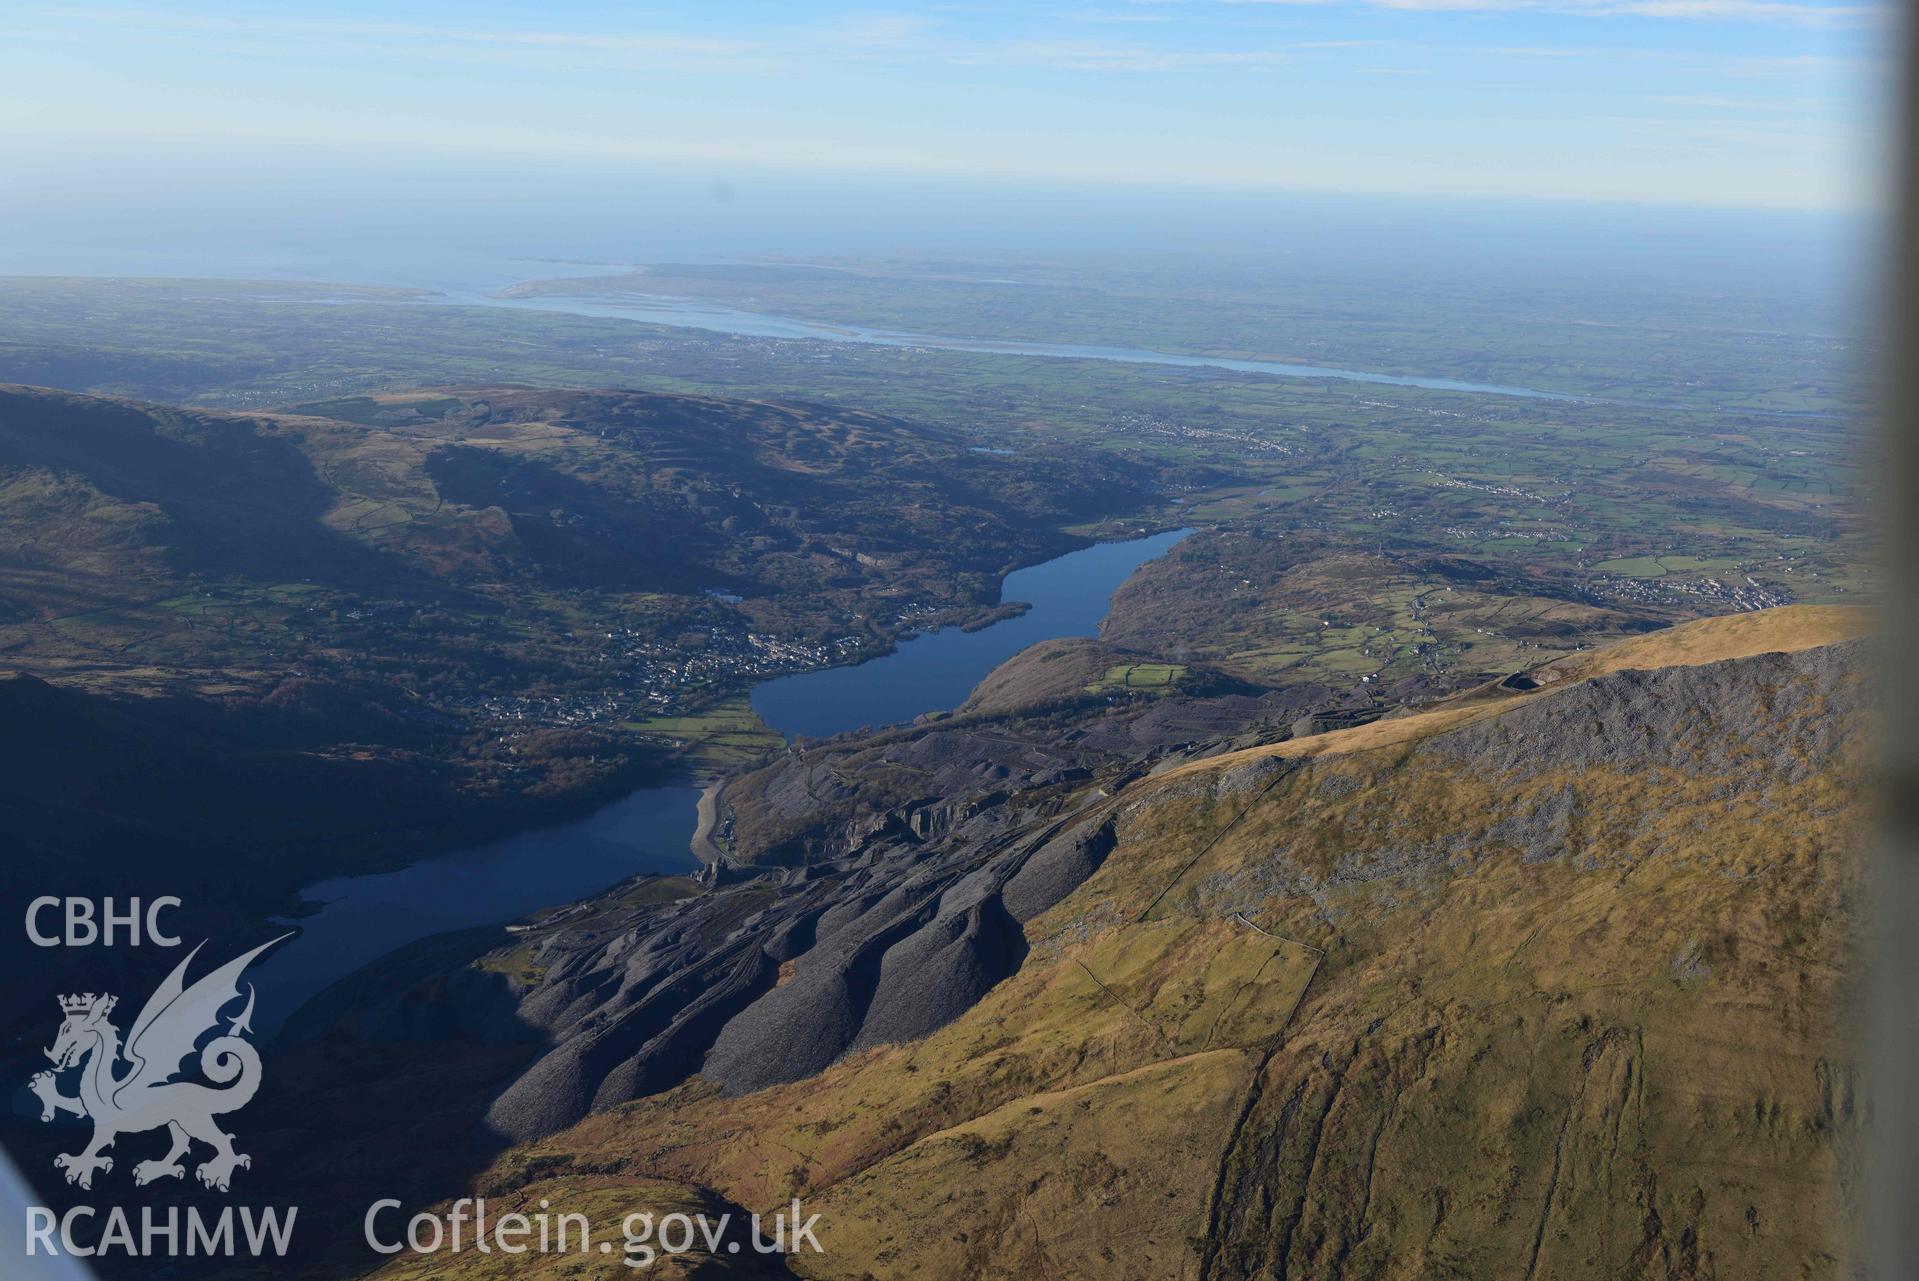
660 829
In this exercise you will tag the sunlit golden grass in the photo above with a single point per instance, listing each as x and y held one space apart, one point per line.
1712 640
1397 1040
1707 640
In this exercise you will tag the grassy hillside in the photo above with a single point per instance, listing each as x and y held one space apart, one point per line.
516 595
458 535
1551 986
241 652
1708 640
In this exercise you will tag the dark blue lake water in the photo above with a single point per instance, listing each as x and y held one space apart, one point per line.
937 671
365 917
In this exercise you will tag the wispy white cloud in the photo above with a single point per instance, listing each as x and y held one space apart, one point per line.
1077 55
906 36
214 25
1086 55
1121 15
1717 102
1743 133
277 35
880 31
1808 13
1450 6
563 39
1786 11
859 36
1803 64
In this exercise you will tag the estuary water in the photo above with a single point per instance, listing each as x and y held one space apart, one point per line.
362 918
695 314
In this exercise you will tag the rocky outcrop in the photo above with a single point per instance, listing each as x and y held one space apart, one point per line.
901 917
1057 868
1547 983
1710 718
774 980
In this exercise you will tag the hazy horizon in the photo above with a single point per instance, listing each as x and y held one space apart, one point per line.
1768 103
305 221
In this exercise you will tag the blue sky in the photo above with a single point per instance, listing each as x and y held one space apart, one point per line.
1739 102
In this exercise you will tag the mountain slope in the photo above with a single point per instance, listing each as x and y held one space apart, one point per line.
1549 986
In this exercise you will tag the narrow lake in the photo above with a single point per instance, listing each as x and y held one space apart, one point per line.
650 830
934 672
365 917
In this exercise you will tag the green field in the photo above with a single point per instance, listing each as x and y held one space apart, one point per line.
1583 520
1139 677
721 737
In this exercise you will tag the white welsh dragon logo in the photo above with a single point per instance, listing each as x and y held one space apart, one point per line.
145 1096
